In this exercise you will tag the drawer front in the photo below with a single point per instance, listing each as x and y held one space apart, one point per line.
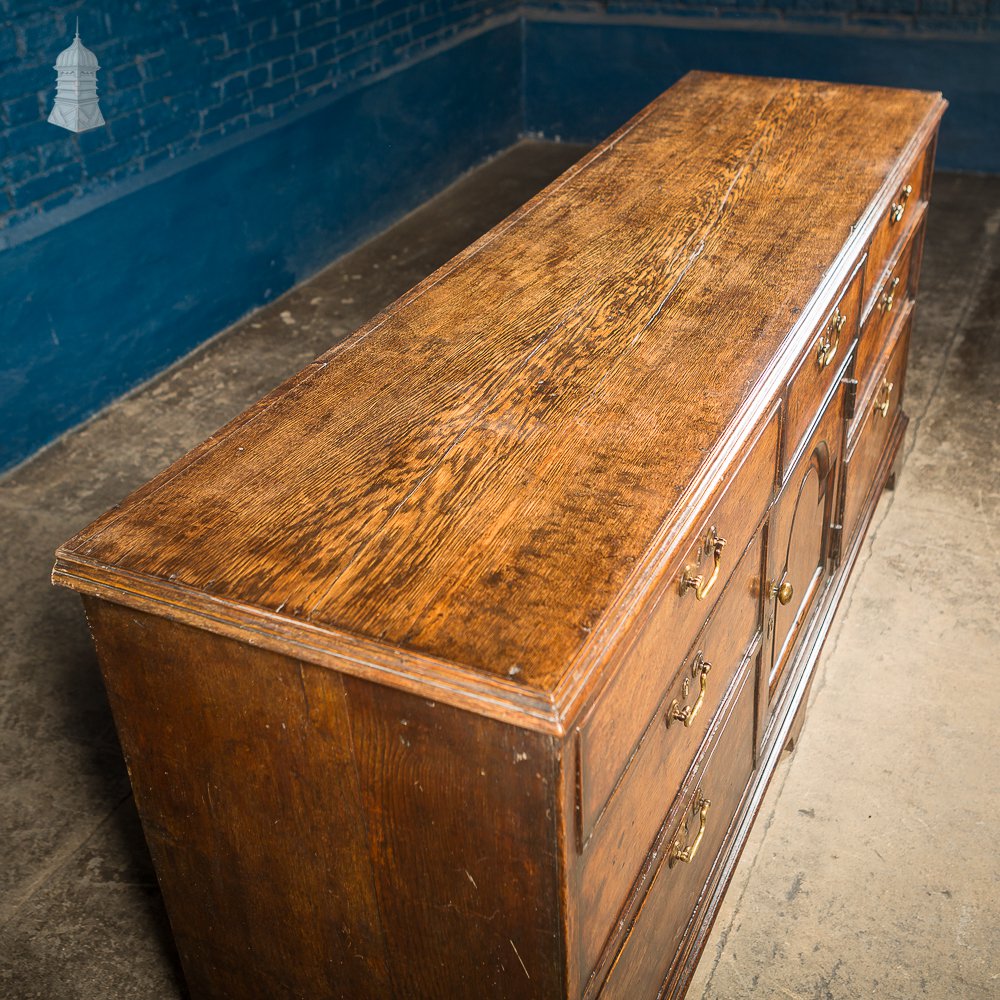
820 367
890 300
615 855
875 423
897 220
707 813
798 540
613 726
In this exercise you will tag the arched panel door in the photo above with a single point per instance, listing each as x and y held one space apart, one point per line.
799 539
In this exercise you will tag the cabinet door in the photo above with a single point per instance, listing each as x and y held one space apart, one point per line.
798 540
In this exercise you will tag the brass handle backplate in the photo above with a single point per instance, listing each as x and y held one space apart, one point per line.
899 207
691 580
699 668
687 854
882 405
885 303
829 339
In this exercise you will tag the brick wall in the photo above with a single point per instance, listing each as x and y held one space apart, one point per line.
926 18
179 75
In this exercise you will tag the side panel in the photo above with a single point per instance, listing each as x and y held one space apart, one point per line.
242 772
462 826
319 836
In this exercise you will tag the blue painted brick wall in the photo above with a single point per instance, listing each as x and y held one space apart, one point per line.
178 75
917 17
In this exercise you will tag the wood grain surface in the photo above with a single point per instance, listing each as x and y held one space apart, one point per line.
481 474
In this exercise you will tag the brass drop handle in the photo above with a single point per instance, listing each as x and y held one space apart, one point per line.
686 854
783 591
886 393
675 713
697 581
827 344
899 207
887 295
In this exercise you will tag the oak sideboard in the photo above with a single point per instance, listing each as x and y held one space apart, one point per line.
457 666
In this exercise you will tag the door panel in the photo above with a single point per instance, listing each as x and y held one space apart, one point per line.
799 538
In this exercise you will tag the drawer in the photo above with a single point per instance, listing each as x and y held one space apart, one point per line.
892 293
819 369
612 726
699 831
897 220
876 423
616 853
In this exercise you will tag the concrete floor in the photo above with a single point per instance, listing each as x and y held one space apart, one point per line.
872 870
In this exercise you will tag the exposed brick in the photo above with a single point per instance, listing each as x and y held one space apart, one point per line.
8 44
884 23
281 68
46 34
124 126
22 110
312 77
172 84
234 86
22 138
274 49
237 39
60 199
224 112
152 115
168 133
305 60
215 22
235 125
21 167
118 102
949 25
971 8
261 31
46 185
274 93
17 79
211 48
103 161
155 158
125 76
59 149
230 63
745 14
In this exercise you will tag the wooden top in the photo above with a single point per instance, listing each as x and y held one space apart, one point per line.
468 495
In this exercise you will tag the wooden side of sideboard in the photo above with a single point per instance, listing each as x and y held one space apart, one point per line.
317 835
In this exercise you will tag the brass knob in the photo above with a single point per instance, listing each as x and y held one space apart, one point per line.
783 592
